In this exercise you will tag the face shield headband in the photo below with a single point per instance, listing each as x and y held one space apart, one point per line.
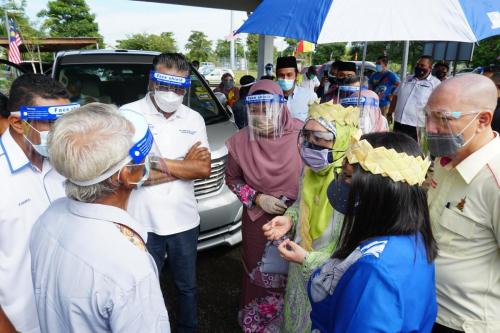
142 144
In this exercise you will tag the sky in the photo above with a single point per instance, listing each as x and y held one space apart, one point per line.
119 18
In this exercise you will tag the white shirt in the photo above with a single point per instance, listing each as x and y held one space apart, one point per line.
89 277
25 194
309 84
298 102
169 208
464 207
412 98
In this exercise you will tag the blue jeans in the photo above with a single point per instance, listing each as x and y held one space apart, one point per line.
181 251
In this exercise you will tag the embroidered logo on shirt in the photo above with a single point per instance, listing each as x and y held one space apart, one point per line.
461 204
187 132
374 249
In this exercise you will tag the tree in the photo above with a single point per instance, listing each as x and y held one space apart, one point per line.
25 26
163 42
291 48
326 52
253 48
69 18
486 52
198 46
223 51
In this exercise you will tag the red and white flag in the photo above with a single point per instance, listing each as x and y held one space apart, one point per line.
14 42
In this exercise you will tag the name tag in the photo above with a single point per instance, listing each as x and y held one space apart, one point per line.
24 202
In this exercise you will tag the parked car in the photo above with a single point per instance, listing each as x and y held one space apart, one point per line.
215 75
120 77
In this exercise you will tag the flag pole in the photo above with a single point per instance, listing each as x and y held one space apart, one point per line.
7 26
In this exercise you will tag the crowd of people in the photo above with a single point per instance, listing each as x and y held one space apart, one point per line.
345 225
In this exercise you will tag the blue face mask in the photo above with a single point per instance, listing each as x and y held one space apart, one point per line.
379 68
286 85
338 194
40 148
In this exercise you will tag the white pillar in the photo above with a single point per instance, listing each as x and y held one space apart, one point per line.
232 43
266 53
404 64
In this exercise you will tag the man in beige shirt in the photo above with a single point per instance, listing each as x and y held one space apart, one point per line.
464 202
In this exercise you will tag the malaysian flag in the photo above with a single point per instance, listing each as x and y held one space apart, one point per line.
14 42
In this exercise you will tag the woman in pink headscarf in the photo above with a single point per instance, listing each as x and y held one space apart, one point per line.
263 170
371 118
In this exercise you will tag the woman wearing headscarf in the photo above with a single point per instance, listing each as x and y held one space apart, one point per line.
312 222
263 170
226 86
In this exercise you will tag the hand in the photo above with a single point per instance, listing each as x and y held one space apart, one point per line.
197 153
270 204
277 227
291 251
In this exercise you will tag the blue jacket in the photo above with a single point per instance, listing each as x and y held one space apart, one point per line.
390 289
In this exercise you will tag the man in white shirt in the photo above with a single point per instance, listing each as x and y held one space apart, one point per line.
169 211
91 270
310 79
464 204
411 96
298 98
28 186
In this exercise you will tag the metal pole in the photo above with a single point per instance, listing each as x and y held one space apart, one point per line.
404 65
39 58
232 42
362 74
7 25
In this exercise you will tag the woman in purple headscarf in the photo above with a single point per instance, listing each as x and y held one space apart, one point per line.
263 170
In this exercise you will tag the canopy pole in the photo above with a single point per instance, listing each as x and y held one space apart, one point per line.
404 64
39 58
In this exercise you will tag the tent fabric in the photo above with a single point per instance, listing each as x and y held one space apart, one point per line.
328 21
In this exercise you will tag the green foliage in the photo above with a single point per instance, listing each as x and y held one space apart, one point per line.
25 26
163 42
222 49
253 48
198 46
486 52
326 52
69 18
291 48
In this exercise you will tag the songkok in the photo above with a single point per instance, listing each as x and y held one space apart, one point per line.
286 62
347 66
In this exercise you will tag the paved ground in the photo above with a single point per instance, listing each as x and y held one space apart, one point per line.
219 279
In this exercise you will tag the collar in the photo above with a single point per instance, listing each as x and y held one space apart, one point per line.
107 214
16 158
471 166
151 109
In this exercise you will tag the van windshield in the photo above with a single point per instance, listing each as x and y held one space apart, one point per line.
120 84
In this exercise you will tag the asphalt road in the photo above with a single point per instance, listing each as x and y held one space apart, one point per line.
219 274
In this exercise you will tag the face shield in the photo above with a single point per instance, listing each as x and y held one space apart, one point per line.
265 116
168 90
442 135
316 147
370 117
344 92
143 159
37 121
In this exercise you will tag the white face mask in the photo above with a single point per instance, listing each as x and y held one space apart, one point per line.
40 148
168 101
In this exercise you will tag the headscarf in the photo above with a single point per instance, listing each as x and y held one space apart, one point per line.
315 209
371 116
270 166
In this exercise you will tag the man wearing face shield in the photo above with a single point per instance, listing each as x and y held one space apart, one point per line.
87 252
29 186
345 71
464 203
298 98
263 170
411 96
169 211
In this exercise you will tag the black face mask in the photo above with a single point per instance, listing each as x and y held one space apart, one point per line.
420 72
332 79
441 75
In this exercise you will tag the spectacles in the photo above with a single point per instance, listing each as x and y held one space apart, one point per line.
175 89
318 135
448 114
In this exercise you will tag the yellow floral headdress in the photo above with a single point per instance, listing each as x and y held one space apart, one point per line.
400 167
347 116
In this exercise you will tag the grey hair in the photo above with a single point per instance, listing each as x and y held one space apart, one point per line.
87 142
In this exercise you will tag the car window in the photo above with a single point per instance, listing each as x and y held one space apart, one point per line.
120 84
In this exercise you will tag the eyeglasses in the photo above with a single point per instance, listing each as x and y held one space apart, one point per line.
175 89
